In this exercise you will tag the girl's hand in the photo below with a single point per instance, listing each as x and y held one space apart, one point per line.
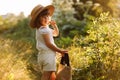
52 23
63 52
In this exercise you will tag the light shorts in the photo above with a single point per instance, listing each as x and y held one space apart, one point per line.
47 60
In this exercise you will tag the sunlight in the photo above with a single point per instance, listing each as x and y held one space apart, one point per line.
17 6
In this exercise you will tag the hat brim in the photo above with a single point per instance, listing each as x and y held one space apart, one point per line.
50 9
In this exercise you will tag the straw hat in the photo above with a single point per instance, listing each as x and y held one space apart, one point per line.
37 10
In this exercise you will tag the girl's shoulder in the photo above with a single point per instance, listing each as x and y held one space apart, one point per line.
43 30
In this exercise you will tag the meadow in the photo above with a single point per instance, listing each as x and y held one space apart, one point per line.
94 56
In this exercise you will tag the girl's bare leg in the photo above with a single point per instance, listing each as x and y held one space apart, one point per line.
53 76
48 75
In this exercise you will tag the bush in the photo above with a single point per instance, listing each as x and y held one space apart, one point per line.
96 56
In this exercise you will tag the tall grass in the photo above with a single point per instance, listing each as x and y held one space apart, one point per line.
17 50
13 60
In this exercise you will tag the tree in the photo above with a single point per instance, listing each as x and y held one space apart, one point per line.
85 8
64 15
69 26
63 11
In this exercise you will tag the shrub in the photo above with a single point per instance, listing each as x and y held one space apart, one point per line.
96 56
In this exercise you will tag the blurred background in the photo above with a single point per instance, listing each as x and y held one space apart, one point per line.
89 29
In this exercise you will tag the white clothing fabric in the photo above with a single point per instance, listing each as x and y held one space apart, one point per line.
40 41
47 62
46 56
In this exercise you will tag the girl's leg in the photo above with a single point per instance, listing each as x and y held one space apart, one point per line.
48 75
53 76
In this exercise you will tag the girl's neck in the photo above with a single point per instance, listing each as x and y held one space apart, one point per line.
44 26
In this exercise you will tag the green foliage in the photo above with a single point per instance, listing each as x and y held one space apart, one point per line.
66 22
87 8
8 21
63 41
18 45
63 11
93 44
98 51
21 31
22 27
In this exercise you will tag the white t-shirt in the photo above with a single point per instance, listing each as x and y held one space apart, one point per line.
40 43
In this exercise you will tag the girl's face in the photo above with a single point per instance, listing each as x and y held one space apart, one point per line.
45 20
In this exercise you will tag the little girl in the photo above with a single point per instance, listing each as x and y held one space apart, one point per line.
41 19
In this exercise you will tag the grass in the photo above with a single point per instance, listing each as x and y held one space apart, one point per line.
12 64
94 57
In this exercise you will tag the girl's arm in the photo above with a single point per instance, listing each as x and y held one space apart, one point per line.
52 46
55 28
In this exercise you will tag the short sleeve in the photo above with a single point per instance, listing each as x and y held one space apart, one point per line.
44 31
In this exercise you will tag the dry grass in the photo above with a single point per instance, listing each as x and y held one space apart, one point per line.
12 65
